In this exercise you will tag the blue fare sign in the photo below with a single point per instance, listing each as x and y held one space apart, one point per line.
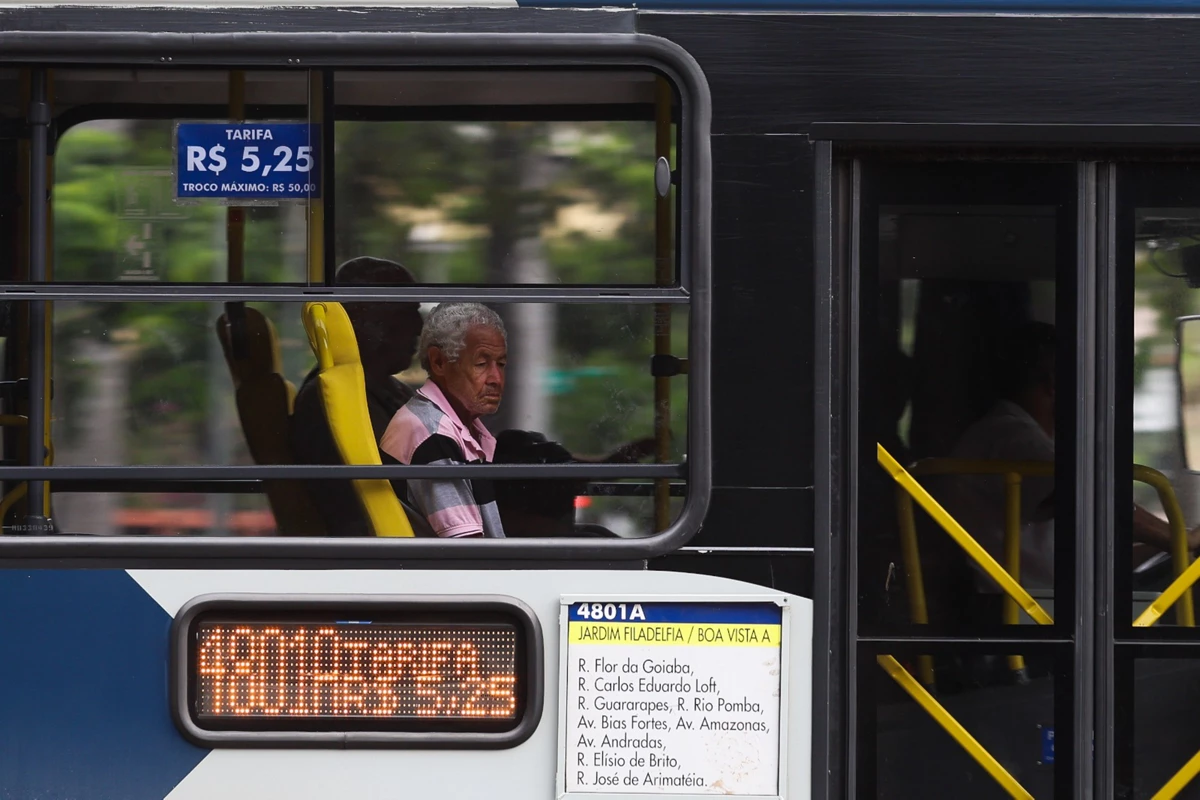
247 161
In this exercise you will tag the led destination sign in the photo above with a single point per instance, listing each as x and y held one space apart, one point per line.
288 671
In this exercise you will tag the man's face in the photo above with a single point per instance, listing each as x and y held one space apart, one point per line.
475 381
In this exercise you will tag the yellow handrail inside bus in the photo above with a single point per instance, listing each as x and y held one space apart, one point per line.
1013 472
964 540
20 490
344 395
1179 780
1180 557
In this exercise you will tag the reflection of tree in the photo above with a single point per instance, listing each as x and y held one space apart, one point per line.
507 185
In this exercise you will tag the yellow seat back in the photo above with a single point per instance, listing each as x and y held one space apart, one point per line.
344 395
264 404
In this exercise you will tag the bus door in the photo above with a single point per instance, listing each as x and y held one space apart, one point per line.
1026 472
966 285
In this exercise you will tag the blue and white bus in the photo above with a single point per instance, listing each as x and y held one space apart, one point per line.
800 301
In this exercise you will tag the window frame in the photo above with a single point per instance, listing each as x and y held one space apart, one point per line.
1087 707
310 51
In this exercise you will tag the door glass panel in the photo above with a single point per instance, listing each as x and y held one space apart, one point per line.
967 394
966 378
1157 455
1016 724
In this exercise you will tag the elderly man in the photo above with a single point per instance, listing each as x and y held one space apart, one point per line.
386 334
464 348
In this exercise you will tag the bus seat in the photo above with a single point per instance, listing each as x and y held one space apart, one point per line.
344 395
264 404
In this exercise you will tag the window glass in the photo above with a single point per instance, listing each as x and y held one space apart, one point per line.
484 200
551 182
153 377
149 384
966 377
500 202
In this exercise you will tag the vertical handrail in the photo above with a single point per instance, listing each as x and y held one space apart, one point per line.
20 357
316 205
1186 571
235 216
664 275
1012 555
914 579
962 538
39 136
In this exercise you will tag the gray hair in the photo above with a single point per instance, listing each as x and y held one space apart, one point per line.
447 325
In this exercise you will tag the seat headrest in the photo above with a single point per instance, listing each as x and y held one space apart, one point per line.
331 335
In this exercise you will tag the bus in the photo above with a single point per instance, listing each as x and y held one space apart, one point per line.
801 300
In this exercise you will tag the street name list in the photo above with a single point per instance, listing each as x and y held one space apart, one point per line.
673 698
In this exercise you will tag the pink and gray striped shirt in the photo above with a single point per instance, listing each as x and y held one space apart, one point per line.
426 430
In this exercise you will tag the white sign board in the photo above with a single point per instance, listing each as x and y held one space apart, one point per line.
673 697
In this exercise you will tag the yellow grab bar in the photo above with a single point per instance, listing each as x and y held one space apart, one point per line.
964 540
18 491
1014 470
953 727
316 205
1180 589
11 498
1165 600
1180 557
1012 553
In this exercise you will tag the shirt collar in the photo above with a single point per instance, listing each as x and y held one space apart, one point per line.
477 433
1005 406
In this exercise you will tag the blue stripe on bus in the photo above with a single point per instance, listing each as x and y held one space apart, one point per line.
711 613
83 689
